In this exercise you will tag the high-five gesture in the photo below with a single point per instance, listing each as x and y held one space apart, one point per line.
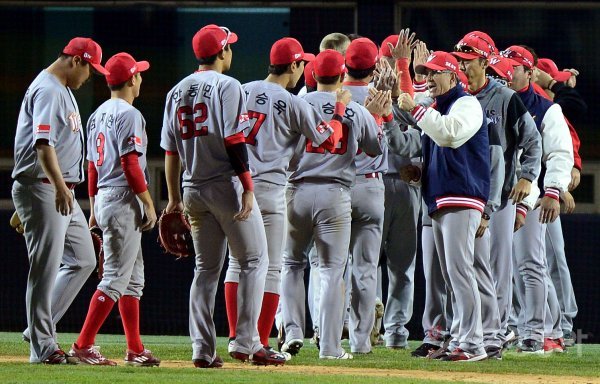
405 45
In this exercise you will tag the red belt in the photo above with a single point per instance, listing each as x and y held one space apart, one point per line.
69 185
374 175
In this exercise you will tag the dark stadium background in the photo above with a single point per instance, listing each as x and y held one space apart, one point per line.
33 33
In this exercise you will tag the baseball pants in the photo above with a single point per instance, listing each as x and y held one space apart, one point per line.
454 233
271 202
559 272
319 211
119 214
367 221
501 229
530 276
211 209
399 242
61 258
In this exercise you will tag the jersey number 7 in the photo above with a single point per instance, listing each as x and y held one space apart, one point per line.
191 128
260 119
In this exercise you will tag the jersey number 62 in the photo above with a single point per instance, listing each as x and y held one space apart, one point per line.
191 128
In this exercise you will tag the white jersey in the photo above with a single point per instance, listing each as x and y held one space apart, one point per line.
200 112
49 112
277 120
366 164
115 129
359 131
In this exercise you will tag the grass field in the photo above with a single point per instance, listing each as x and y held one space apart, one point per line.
382 366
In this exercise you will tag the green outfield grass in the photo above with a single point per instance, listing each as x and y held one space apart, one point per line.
14 368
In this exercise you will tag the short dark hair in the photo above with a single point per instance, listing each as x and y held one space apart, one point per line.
327 80
532 51
310 89
117 87
280 69
353 36
65 56
360 73
210 60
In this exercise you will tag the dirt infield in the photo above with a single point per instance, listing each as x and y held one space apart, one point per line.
474 377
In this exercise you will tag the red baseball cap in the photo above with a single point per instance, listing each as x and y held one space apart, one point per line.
549 66
473 45
329 63
211 39
362 53
309 79
385 50
438 61
518 55
288 50
502 66
88 50
123 67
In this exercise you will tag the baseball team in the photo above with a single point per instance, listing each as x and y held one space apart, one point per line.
476 142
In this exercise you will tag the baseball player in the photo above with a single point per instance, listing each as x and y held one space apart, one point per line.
511 128
49 156
455 187
319 208
534 285
277 119
122 207
367 201
402 206
204 120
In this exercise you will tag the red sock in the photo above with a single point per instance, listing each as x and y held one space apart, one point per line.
231 306
129 307
100 307
267 316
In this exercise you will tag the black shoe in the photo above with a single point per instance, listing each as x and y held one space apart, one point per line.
424 350
439 354
529 346
493 352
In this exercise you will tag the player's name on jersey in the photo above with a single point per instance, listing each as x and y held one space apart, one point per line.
193 91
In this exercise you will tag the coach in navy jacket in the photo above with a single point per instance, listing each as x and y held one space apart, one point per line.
456 184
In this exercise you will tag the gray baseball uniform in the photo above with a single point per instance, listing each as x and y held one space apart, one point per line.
367 199
319 208
61 254
279 118
200 112
115 129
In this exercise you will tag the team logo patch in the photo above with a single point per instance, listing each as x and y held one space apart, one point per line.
133 69
243 118
321 128
87 56
74 121
42 128
297 55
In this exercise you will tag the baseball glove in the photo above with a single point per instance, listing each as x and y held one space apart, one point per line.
174 234
97 239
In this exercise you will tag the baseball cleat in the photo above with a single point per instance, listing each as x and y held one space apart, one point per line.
344 356
142 359
568 339
287 356
462 356
553 345
201 363
438 353
292 347
231 345
60 357
529 346
262 357
90 355
493 352
424 350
